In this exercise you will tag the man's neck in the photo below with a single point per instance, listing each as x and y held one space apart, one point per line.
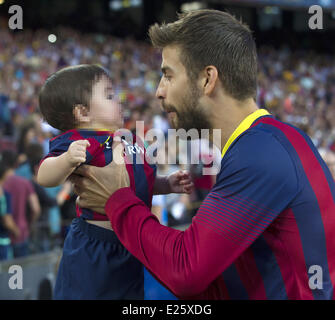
229 115
10 173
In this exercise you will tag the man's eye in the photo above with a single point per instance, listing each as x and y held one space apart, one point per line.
167 77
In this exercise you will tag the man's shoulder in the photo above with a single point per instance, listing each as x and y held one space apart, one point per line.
16 184
258 152
24 181
258 166
18 181
256 145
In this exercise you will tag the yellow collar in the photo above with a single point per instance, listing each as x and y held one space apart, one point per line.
243 126
92 129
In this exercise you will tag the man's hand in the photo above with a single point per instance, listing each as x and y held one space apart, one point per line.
76 154
180 182
95 185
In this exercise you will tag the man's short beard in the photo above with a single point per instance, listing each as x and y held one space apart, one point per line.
190 114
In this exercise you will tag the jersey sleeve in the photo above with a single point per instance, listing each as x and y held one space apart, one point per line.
256 183
58 146
61 143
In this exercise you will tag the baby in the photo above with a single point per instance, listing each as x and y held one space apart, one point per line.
80 101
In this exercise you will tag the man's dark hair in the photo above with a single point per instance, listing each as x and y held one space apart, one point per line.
21 140
9 159
34 155
66 88
3 168
212 37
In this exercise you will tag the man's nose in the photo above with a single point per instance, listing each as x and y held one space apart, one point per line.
160 92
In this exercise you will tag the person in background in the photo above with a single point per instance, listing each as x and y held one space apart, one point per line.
26 136
22 193
203 170
30 132
329 157
7 224
41 236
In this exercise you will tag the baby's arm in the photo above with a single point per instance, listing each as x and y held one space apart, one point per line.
53 171
161 185
177 182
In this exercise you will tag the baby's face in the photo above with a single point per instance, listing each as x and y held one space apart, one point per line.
105 108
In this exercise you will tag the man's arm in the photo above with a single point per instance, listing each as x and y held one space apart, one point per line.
34 205
7 218
10 225
246 199
184 261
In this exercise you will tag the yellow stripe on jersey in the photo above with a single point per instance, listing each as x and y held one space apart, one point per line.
243 126
101 144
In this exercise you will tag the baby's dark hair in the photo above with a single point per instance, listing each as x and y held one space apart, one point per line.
65 89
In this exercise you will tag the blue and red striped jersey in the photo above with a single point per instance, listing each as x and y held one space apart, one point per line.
282 212
265 231
99 153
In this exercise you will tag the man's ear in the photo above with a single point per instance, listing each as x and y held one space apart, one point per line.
210 79
81 114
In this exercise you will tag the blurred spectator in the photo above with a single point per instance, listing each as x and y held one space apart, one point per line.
171 209
6 126
202 153
7 224
30 132
23 194
158 208
40 231
329 158
41 235
296 86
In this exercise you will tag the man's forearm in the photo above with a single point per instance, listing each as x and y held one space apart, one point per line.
185 262
35 207
131 239
10 224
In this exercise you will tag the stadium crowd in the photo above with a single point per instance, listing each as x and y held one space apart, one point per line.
297 87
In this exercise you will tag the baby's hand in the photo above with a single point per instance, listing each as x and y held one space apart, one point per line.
180 182
76 153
